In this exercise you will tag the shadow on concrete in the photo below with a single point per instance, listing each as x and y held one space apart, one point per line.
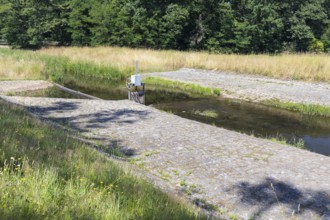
271 192
111 146
120 116
92 121
58 106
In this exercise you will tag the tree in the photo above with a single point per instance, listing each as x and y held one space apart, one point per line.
211 25
79 21
303 20
58 27
18 31
326 39
29 23
172 25
4 9
316 46
265 27
121 23
221 26
242 38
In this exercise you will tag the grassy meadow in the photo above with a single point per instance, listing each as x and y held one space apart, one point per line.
115 63
46 174
308 67
18 64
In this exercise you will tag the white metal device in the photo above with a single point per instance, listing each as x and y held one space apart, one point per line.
136 79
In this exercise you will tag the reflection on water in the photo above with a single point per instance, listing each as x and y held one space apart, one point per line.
244 117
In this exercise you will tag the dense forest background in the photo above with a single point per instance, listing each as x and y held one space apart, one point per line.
224 26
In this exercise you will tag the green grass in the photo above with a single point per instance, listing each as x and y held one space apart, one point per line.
299 143
186 87
308 109
207 113
46 174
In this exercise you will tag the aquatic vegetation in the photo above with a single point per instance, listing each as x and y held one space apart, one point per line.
207 113
309 109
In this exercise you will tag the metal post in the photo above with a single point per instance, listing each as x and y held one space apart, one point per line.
136 67
134 92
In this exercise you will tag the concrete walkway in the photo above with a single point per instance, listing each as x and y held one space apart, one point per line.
23 85
250 177
253 88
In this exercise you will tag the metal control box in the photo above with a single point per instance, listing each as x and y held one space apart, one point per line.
136 80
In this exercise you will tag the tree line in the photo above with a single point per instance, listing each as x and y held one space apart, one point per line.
219 26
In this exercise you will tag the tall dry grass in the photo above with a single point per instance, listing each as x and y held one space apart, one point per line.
309 67
14 69
123 58
20 64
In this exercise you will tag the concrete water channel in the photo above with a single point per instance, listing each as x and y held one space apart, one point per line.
223 171
310 132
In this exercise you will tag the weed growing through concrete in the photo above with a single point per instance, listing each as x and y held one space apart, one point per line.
296 142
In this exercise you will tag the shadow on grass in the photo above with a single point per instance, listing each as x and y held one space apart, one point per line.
271 192
96 124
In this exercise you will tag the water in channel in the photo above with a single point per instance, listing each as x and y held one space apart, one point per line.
253 119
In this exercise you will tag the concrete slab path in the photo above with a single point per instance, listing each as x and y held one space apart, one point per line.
250 177
253 88
23 85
